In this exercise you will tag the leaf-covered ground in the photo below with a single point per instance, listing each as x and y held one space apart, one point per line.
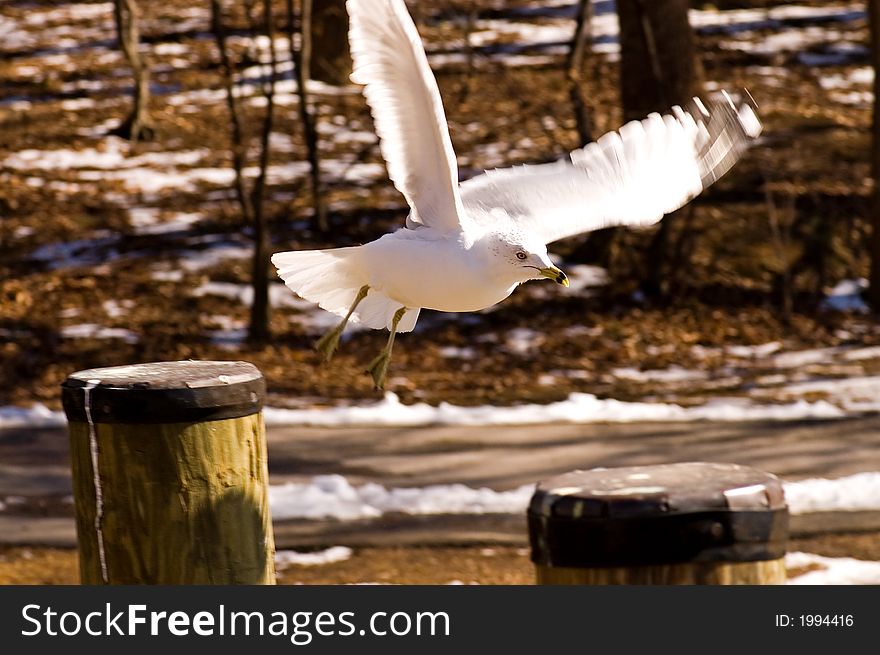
463 565
110 256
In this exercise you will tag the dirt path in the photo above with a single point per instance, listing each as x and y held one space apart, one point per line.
35 462
397 565
508 456
34 467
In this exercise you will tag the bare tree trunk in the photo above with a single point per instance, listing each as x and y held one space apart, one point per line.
658 69
136 126
302 57
258 330
238 144
658 63
331 57
470 21
780 231
874 243
252 202
574 64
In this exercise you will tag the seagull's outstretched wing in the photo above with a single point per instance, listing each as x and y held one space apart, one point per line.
631 177
405 102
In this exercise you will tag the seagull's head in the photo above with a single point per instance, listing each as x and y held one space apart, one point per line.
524 259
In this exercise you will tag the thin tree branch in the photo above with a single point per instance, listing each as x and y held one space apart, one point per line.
573 71
301 62
228 75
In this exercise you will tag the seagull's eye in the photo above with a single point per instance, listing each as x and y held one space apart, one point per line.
521 255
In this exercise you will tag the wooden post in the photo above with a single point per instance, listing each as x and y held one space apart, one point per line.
691 523
170 474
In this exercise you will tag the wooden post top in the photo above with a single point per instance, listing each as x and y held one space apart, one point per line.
692 511
165 392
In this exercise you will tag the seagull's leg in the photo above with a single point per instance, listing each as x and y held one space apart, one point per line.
379 366
327 344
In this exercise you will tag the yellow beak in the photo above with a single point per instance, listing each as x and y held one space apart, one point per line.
554 274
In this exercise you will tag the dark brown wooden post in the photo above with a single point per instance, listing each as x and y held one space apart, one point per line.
170 474
691 523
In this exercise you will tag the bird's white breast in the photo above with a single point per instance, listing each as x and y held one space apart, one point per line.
421 268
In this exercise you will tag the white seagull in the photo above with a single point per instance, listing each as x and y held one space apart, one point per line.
467 246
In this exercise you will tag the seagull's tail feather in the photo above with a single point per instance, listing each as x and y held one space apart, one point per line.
332 279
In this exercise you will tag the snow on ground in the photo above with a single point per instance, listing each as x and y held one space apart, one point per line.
671 374
522 340
539 34
285 558
35 416
862 75
843 396
154 172
94 331
847 296
197 260
855 492
832 570
150 220
117 308
334 497
583 277
577 408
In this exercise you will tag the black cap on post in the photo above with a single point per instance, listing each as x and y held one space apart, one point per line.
165 392
645 515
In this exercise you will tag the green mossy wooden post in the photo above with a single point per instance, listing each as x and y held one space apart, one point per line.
182 484
690 523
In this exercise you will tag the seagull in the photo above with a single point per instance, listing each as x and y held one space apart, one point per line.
466 247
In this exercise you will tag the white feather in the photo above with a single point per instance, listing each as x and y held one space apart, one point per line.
631 177
407 111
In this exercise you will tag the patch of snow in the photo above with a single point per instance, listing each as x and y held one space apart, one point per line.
747 352
488 32
860 75
167 276
454 352
170 49
577 408
70 12
279 295
75 104
285 558
583 277
833 570
142 217
859 354
116 309
522 340
197 260
671 374
35 416
333 496
800 358
94 331
112 156
846 296
146 220
852 493
853 98
228 339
